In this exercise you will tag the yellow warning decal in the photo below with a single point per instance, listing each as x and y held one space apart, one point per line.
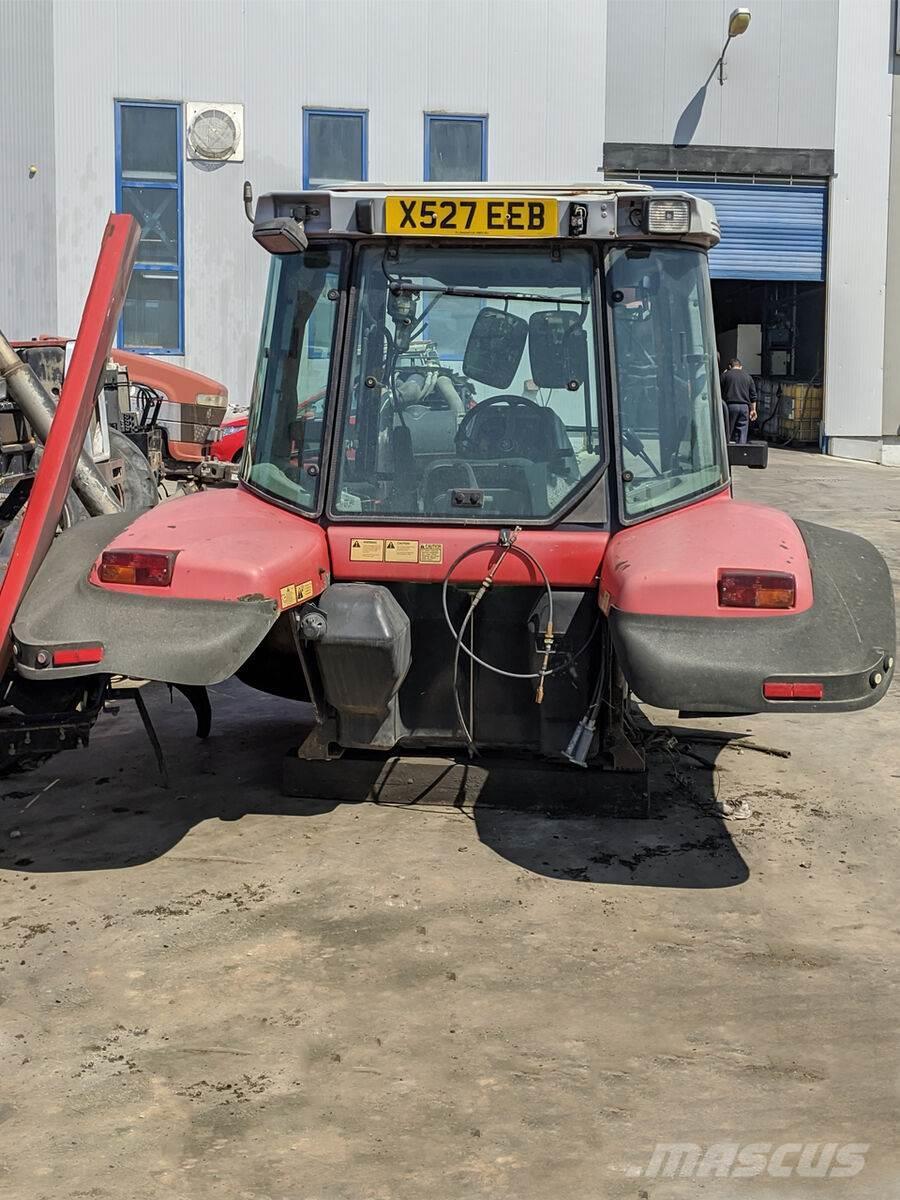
296 593
431 552
367 549
401 550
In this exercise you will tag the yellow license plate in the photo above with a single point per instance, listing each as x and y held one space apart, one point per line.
471 216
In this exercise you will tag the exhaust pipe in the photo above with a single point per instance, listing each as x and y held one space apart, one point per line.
39 409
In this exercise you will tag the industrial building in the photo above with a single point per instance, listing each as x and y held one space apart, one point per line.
788 130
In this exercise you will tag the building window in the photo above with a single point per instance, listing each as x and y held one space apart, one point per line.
455 148
148 185
335 146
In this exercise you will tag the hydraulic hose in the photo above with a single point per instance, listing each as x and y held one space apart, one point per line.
506 545
486 584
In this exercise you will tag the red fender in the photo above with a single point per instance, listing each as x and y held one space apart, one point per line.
231 546
670 566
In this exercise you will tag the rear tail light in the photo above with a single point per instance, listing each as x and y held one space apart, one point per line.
756 589
798 690
77 656
145 568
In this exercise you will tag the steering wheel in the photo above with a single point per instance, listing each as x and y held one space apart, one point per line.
464 436
504 398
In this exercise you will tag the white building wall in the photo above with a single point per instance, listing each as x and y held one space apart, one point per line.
857 235
662 86
539 78
27 175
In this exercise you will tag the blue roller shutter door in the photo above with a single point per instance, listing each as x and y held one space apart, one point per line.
769 230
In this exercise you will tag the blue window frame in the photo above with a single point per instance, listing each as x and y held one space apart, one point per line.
149 185
455 148
335 146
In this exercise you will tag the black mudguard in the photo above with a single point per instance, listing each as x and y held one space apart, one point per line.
719 664
191 642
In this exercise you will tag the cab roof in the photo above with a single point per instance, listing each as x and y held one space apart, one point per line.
604 209
602 187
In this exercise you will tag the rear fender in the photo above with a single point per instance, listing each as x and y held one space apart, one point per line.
670 566
240 563
678 649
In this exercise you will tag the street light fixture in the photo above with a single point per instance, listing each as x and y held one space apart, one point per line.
737 24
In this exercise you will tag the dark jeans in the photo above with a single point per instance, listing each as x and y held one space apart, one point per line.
738 422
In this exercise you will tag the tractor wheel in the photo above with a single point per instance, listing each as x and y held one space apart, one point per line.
138 489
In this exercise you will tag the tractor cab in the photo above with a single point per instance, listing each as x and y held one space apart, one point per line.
468 383
485 496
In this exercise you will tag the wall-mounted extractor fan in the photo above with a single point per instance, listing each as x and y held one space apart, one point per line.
215 132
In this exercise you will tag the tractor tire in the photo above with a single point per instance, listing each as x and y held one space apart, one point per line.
138 489
73 511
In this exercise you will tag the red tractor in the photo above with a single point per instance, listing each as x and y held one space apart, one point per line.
490 546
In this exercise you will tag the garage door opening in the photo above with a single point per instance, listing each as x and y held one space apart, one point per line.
768 274
777 330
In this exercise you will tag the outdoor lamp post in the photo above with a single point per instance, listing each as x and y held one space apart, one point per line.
737 24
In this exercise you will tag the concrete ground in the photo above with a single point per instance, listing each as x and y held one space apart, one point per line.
216 992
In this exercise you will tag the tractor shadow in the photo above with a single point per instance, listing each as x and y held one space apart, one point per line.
105 808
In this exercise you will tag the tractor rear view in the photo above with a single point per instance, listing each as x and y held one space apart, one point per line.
485 498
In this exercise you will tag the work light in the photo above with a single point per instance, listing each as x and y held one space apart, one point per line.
667 216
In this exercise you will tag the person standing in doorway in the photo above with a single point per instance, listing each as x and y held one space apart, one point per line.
739 396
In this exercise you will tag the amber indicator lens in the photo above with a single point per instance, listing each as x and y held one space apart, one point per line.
756 589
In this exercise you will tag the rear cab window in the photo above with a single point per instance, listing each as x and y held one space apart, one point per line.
670 426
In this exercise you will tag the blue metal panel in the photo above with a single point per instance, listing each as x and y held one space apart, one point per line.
769 230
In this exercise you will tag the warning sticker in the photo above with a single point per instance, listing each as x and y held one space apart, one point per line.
296 593
367 550
401 550
431 552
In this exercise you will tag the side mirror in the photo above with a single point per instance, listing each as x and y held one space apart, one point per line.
557 348
284 235
494 349
752 454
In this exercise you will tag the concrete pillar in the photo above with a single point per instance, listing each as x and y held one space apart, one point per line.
858 235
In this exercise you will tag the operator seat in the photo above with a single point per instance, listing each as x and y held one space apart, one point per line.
506 446
509 426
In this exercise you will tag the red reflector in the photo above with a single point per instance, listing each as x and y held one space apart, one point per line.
808 691
77 656
776 690
756 589
145 568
